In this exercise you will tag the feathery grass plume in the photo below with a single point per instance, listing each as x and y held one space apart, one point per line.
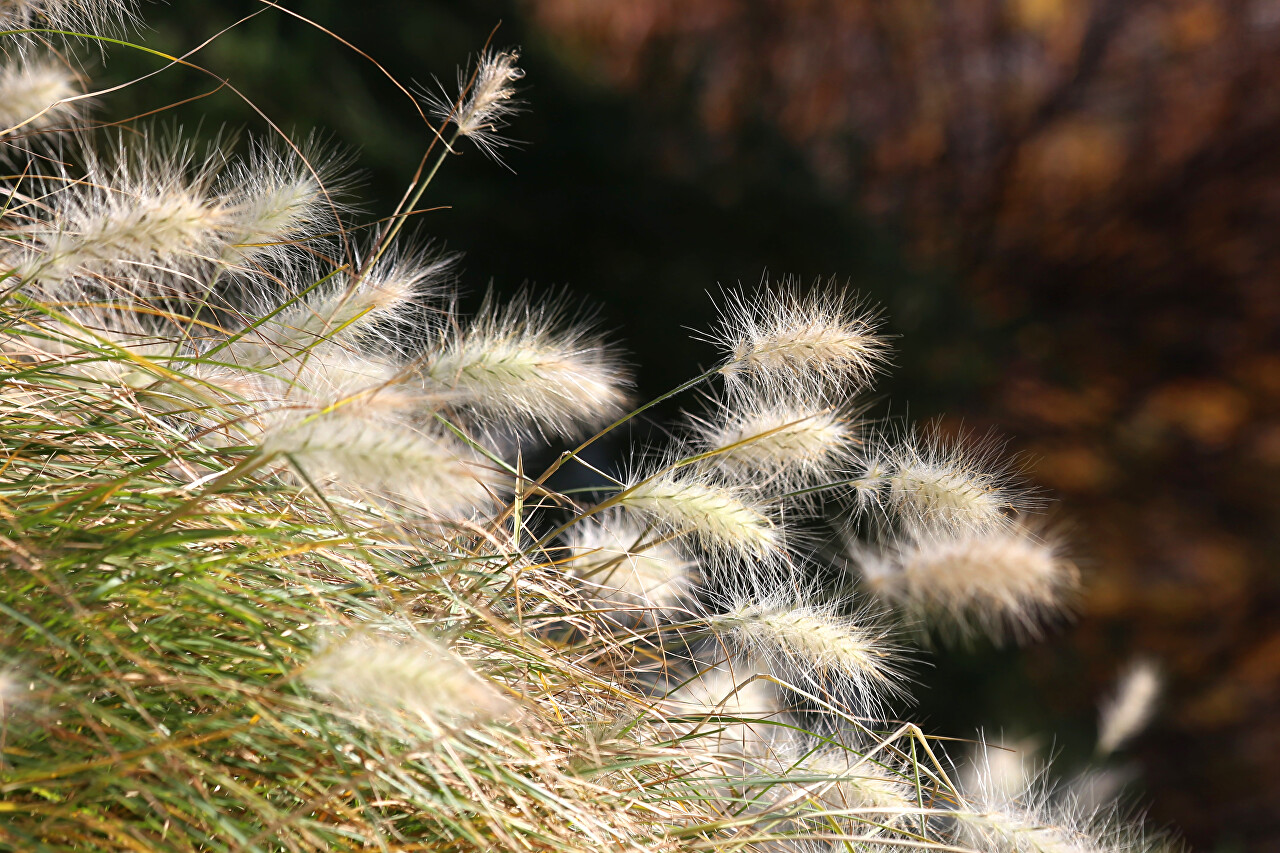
33 93
485 103
136 223
785 339
153 218
732 708
1002 767
382 677
1131 708
863 789
1001 582
815 644
1032 820
788 440
277 199
725 520
332 378
636 579
384 459
930 481
528 362
11 694
357 312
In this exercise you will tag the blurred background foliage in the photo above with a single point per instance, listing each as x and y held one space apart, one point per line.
1068 209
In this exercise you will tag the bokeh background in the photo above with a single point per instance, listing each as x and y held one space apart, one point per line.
1069 210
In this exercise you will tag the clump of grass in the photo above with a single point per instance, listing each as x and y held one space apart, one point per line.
275 578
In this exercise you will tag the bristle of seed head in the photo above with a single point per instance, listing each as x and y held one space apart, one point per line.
486 100
784 339
386 680
526 363
383 459
786 441
90 15
816 644
722 519
636 579
1127 712
1003 582
1002 769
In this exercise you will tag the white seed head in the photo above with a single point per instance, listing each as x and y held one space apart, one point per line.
1127 712
384 679
431 472
275 201
991 817
928 481
723 519
1002 581
138 222
859 788
787 442
346 310
32 94
486 100
734 706
526 364
815 643
626 572
784 339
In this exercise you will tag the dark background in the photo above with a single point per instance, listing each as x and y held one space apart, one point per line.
1068 211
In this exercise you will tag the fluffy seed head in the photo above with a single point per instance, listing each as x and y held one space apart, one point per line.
160 220
720 518
1030 820
638 580
1131 708
840 780
276 200
384 679
526 363
34 90
137 218
347 310
486 100
733 705
998 581
815 643
789 442
785 339
929 481
432 473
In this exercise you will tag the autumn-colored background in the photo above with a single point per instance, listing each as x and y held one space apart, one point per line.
1069 210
